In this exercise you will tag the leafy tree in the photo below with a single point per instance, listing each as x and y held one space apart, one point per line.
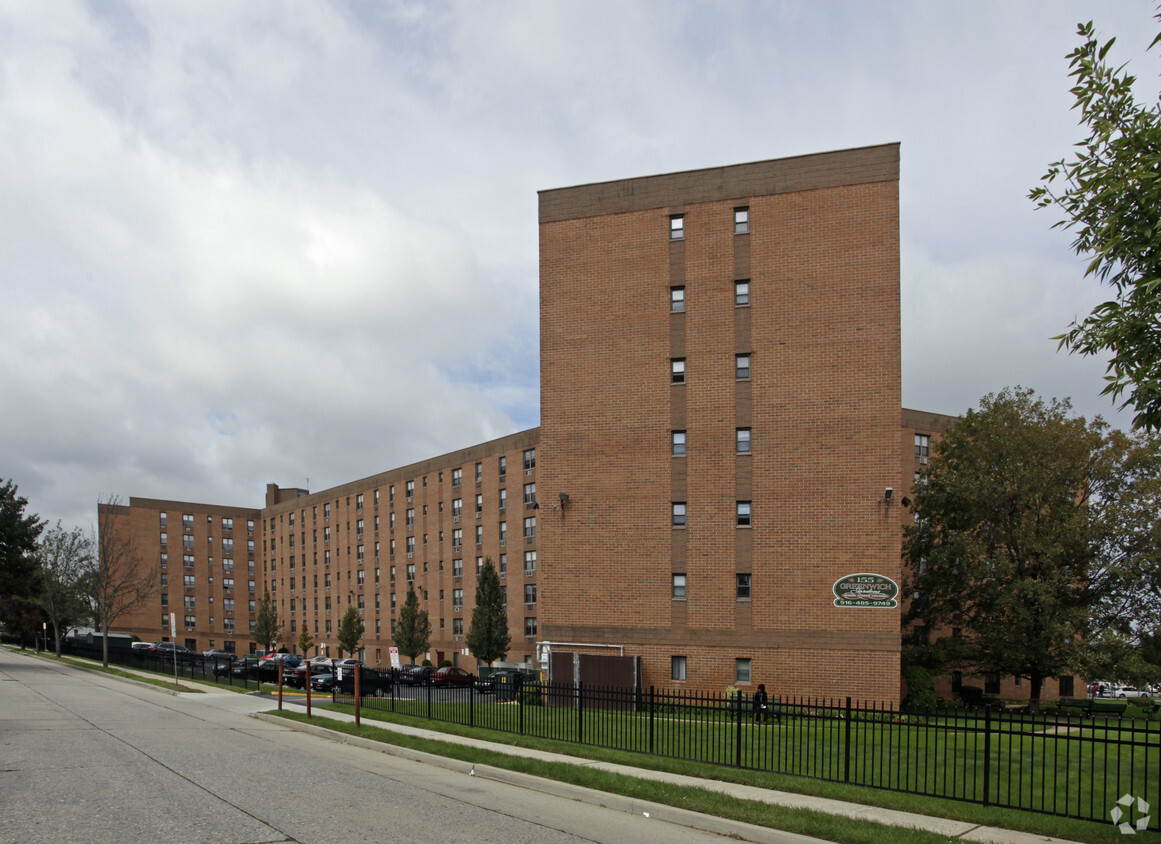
1111 200
18 536
122 580
266 626
1031 526
413 629
65 557
351 631
488 637
305 641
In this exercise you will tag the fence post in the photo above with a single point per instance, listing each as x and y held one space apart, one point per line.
472 705
987 754
520 705
580 713
738 729
847 742
651 725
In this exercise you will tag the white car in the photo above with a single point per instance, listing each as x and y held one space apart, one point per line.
1128 691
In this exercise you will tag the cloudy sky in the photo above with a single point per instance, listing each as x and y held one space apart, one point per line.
259 241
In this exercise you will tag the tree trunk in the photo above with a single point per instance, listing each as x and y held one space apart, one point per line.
1037 681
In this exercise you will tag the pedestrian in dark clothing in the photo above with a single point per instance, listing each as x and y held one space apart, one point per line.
761 705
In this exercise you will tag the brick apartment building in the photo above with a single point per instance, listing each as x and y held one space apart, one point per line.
720 425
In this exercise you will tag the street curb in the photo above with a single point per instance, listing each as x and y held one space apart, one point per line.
736 830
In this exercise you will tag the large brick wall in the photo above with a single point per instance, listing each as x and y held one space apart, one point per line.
822 402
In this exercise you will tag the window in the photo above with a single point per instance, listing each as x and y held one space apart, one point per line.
410 490
529 459
479 535
742 671
922 446
1066 686
410 518
190 621
457 538
163 519
679 587
530 527
529 495
187 542
679 514
187 521
743 514
164 538
503 465
359 501
189 581
677 668
529 563
457 568
503 565
479 473
742 366
358 530
743 440
410 545
479 505
503 533
744 587
679 443
411 571
457 477
457 597
326 511
190 602
530 626
530 593
742 293
677 370
991 683
503 498
742 220
676 226
677 299
457 507
228 583
360 578
164 581
479 566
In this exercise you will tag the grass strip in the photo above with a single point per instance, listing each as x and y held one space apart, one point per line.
1030 822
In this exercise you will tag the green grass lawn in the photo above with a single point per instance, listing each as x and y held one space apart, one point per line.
1075 767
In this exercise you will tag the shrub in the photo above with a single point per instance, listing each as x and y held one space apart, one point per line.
920 689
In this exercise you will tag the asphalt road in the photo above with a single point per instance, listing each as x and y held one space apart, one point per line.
85 758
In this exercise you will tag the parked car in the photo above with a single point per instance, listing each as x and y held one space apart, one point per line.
371 682
324 682
246 667
297 677
139 647
448 676
487 685
1128 691
416 675
268 668
171 650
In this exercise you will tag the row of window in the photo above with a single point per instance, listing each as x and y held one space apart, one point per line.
741 223
743 513
679 667
741 368
191 623
742 442
741 296
187 522
187 543
743 586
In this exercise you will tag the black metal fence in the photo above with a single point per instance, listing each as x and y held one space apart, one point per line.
227 671
1100 768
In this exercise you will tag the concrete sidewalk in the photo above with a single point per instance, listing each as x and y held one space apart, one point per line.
258 706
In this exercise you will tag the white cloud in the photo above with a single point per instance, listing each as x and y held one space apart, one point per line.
244 244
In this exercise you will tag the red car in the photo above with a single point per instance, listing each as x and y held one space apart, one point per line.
448 676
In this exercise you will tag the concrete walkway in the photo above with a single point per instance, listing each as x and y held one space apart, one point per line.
257 706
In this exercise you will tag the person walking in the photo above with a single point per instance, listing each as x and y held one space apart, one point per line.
761 705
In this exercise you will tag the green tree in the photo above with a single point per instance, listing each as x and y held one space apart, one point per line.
266 626
351 631
64 557
305 641
1111 200
488 636
18 583
1030 524
413 629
